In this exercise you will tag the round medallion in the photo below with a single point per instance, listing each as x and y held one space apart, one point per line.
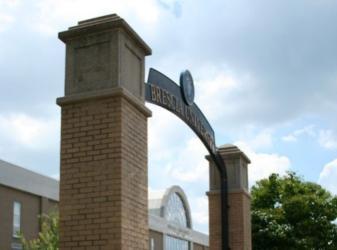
187 87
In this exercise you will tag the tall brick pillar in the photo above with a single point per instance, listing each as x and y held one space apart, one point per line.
103 183
238 200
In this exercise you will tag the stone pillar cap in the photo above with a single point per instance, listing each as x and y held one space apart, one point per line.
228 150
103 23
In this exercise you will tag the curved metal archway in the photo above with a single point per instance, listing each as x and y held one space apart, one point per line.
162 91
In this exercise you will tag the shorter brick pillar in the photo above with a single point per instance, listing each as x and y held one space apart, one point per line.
238 200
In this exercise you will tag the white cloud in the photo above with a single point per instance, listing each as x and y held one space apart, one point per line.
197 173
200 217
6 13
289 138
5 21
27 131
10 3
263 164
256 138
218 85
53 15
56 176
166 134
327 139
293 137
328 176
262 139
190 164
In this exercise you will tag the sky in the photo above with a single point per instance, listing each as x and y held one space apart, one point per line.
265 75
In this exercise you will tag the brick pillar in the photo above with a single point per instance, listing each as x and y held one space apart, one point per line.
238 200
103 181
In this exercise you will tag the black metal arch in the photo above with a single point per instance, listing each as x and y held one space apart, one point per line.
164 92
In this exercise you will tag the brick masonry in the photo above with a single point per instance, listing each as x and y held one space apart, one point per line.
239 220
214 208
103 175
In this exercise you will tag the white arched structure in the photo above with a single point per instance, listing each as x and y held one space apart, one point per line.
175 208
170 214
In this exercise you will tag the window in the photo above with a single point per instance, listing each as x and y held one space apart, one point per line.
152 244
16 246
175 211
172 243
16 218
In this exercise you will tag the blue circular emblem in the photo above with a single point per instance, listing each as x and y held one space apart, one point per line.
187 87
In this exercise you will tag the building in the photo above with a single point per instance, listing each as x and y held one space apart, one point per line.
170 222
24 195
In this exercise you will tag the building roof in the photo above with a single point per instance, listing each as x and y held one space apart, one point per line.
28 181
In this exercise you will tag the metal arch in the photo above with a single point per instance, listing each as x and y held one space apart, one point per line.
164 92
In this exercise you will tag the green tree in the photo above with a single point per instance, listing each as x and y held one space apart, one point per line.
289 213
48 238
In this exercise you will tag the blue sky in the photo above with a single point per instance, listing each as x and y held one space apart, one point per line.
265 75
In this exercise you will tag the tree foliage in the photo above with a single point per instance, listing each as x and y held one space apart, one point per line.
48 238
288 213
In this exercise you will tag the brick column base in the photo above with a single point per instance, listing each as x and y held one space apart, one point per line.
214 205
239 220
103 189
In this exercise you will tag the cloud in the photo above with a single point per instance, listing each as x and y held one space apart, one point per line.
167 133
7 13
31 142
328 139
53 15
190 164
328 177
5 21
281 57
56 176
289 138
293 137
29 132
173 6
262 139
216 84
264 58
257 138
200 216
263 164
10 3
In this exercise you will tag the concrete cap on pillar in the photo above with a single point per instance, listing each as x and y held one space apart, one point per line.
103 23
230 150
104 54
236 167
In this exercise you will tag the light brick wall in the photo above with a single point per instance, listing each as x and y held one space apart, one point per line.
239 221
214 208
103 195
135 229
